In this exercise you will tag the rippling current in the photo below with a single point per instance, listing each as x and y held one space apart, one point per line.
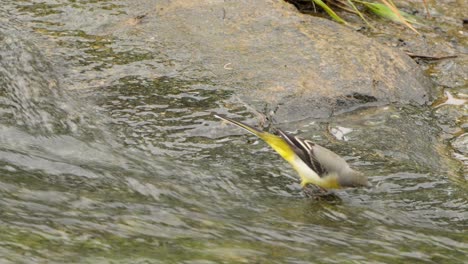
105 162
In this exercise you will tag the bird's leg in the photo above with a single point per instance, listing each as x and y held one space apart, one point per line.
308 192
322 190
303 184
317 192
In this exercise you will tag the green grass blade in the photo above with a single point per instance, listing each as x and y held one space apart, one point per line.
386 12
329 11
359 13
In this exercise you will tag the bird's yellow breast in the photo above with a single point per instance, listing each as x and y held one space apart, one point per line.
329 182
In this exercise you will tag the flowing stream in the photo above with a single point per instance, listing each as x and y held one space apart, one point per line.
102 161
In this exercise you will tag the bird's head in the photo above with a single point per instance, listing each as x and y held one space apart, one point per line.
353 178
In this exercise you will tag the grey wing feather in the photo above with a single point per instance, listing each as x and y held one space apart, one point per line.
304 149
314 161
296 147
322 160
329 160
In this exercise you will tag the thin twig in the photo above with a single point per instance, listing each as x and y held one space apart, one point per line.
427 9
428 57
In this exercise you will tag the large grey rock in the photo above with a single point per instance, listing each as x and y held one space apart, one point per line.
270 54
265 51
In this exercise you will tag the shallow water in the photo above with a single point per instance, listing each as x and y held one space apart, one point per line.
103 161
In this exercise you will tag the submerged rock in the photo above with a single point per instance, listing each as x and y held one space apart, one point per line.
461 144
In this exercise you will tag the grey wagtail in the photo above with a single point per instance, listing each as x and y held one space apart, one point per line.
315 164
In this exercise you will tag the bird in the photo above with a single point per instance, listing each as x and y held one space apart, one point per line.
315 164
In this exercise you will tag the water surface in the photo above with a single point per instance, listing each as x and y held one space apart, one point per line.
108 156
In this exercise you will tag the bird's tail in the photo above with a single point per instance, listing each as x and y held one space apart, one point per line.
276 142
251 129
